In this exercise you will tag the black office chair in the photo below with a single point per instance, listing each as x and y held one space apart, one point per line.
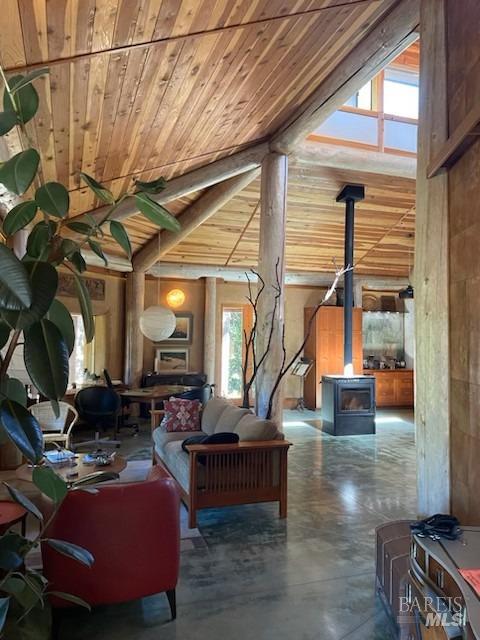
99 407
203 393
125 404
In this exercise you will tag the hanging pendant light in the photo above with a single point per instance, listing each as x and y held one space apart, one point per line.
157 322
408 293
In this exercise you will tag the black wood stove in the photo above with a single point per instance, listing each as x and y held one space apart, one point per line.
348 401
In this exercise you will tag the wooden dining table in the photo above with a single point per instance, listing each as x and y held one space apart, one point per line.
153 395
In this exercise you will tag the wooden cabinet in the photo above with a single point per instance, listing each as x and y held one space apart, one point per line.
325 347
394 388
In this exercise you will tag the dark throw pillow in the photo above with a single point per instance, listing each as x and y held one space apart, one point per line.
215 438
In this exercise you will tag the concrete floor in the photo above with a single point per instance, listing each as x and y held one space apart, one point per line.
308 577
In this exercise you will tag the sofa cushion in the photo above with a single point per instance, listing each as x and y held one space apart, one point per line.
161 438
211 413
229 418
181 415
177 462
251 427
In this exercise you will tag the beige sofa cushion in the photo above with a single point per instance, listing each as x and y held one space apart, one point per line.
177 462
252 428
229 419
161 438
211 413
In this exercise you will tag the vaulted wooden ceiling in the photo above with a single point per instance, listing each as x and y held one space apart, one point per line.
141 88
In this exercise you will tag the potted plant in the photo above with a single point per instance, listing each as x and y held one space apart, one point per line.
31 314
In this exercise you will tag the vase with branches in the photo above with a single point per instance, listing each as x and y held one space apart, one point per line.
253 361
31 315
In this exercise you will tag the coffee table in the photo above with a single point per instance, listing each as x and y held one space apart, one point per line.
119 463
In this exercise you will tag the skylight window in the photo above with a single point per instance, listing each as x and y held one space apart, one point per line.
401 93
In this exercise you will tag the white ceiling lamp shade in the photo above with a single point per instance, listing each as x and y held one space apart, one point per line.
157 323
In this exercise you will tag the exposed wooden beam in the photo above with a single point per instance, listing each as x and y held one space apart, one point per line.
238 274
200 211
311 152
385 41
194 180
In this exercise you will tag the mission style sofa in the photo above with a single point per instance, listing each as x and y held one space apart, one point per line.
216 475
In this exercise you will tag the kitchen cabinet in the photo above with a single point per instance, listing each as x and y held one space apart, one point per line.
394 387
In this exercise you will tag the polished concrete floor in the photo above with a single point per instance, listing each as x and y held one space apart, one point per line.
308 577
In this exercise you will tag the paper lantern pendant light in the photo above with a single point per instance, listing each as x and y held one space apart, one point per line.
157 323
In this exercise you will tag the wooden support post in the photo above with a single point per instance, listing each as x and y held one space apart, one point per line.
210 329
134 306
432 403
271 267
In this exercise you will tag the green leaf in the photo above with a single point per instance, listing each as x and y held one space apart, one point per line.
46 359
121 236
97 249
17 174
15 291
13 389
50 484
24 502
53 198
4 333
80 227
71 551
78 261
4 604
62 319
39 238
25 98
44 282
102 193
156 213
154 186
68 247
13 547
70 598
30 77
8 119
85 308
23 429
18 217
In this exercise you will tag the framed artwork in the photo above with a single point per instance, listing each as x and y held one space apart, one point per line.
67 286
171 359
183 329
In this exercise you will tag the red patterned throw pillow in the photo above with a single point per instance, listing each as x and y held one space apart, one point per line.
181 415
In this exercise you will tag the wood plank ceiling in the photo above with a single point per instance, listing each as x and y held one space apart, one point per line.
141 88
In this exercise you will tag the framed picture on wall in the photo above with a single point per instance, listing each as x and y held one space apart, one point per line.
183 330
171 359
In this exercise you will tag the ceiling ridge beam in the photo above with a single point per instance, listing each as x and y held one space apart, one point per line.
387 39
190 219
195 34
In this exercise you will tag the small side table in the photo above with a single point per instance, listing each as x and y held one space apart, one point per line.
12 513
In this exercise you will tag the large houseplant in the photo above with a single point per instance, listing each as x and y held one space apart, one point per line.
30 314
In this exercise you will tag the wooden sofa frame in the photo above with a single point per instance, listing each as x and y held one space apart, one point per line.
231 474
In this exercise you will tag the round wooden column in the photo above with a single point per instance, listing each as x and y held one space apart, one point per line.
271 268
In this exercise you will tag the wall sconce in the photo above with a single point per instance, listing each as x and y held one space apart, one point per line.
175 298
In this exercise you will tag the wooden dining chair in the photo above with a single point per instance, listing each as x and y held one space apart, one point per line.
55 429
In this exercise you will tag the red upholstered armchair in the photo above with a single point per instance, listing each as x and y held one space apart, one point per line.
133 532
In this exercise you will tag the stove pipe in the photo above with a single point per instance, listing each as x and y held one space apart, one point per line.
350 194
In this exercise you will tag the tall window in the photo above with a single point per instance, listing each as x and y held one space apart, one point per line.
401 93
362 99
232 341
90 356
